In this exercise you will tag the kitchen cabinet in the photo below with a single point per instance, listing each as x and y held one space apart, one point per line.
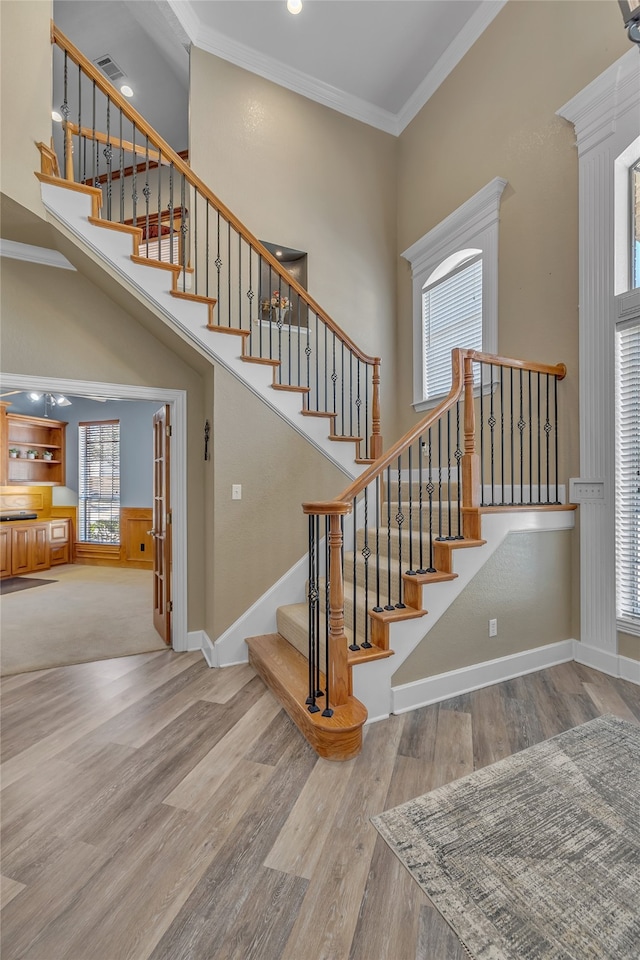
34 545
59 541
29 548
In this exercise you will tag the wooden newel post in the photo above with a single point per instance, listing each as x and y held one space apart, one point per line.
337 666
470 459
69 144
376 435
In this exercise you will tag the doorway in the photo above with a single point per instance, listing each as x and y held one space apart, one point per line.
175 400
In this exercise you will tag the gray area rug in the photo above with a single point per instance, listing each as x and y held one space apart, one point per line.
536 857
13 584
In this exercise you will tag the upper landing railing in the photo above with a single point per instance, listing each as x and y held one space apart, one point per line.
104 142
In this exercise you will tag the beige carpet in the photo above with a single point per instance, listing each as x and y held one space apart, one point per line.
91 613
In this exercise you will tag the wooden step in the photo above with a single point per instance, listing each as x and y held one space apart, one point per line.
264 360
317 413
234 331
291 388
93 192
210 302
339 439
285 672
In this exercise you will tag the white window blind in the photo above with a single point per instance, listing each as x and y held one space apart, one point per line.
99 481
452 317
628 475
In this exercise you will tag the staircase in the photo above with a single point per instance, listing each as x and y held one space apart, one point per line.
398 539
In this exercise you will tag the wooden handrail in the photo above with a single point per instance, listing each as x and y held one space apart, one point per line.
59 38
459 359
90 134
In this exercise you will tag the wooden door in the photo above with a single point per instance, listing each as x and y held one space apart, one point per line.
161 531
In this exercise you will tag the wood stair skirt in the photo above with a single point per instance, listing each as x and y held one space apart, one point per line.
286 672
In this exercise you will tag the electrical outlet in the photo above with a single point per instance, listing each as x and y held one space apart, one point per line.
236 491
493 628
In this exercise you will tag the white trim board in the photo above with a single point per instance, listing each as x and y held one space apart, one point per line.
177 399
421 693
31 254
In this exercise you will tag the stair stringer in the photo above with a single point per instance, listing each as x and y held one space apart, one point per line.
69 211
372 681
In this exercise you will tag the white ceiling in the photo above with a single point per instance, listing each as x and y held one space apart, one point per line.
376 60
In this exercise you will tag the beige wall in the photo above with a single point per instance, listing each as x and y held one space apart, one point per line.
495 115
25 95
300 174
628 645
257 539
525 585
56 323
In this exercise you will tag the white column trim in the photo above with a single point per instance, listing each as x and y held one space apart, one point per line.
606 116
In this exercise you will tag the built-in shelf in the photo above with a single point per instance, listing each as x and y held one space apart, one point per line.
24 433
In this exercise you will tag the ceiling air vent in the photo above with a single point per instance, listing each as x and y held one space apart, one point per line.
108 65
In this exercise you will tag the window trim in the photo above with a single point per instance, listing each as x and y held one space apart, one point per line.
82 497
473 224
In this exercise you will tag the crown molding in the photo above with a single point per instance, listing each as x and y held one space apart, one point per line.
324 93
473 28
41 255
596 109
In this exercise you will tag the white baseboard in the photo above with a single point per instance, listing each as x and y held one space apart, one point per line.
195 640
610 663
420 693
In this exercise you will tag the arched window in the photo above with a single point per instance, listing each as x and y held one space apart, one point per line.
452 317
454 269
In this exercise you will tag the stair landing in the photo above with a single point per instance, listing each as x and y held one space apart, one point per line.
286 673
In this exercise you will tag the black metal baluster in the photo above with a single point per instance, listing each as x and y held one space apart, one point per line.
250 293
64 110
411 571
492 425
378 608
440 537
421 453
342 420
121 172
430 490
521 426
539 446
312 603
512 499
502 496
555 417
458 456
317 390
449 530
547 430
530 500
482 458
350 434
218 265
354 618
334 378
400 520
93 138
327 712
358 401
389 605
207 260
183 230
366 553
146 191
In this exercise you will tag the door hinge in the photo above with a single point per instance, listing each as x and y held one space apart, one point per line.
169 516
168 430
170 606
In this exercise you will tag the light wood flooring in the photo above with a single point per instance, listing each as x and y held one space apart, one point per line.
154 808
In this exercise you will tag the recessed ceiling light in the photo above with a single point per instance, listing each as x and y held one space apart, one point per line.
278 253
294 6
126 90
56 116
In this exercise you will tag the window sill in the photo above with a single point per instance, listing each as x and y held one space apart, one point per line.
628 626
